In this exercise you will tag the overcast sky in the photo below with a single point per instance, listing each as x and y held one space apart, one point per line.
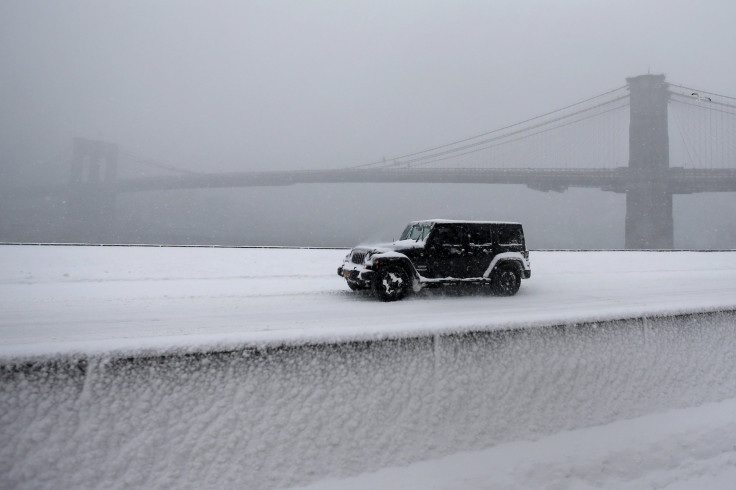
236 85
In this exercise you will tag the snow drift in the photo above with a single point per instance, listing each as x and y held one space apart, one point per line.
279 415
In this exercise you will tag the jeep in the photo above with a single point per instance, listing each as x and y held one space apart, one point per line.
435 253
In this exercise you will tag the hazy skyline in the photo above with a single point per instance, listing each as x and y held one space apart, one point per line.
275 85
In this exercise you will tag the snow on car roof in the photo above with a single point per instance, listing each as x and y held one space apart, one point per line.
442 220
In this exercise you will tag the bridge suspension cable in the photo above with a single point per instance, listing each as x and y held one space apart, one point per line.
699 91
710 104
155 164
705 124
530 128
503 139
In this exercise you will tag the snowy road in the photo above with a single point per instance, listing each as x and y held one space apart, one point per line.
569 408
59 298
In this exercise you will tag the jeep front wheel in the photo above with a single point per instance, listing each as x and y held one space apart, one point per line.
390 283
505 280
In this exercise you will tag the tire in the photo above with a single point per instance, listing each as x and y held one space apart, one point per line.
354 286
505 280
391 283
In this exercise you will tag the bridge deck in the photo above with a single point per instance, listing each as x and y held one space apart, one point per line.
679 180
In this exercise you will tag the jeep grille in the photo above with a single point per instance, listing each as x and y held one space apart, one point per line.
357 257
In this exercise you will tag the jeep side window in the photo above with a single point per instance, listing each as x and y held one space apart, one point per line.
448 236
479 235
510 235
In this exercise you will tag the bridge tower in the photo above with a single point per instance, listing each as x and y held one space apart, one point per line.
649 222
92 154
91 201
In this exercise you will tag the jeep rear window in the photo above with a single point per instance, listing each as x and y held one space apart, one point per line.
510 235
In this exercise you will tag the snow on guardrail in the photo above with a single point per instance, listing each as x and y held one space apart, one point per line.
274 416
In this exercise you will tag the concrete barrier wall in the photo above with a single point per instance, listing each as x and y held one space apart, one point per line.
287 415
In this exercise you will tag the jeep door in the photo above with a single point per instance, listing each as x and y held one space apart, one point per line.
446 252
480 248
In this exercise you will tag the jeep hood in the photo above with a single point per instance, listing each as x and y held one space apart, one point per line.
397 246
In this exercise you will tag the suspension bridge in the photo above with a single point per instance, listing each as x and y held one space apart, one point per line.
648 139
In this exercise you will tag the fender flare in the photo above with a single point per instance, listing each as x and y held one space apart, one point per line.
379 260
506 258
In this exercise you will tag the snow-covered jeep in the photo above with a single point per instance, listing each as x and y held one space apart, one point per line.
441 252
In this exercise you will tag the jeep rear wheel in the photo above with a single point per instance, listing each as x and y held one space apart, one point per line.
505 280
390 283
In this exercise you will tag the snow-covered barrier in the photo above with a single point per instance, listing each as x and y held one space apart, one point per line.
264 417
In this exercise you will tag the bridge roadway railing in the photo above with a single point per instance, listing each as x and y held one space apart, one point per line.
688 181
541 177
264 416
559 179
679 180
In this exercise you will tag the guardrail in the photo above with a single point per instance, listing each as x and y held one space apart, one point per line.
278 415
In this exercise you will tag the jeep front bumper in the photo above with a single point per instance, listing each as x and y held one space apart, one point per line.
356 274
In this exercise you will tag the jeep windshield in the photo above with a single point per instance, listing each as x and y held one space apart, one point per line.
416 231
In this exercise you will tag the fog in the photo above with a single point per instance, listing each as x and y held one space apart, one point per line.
274 85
